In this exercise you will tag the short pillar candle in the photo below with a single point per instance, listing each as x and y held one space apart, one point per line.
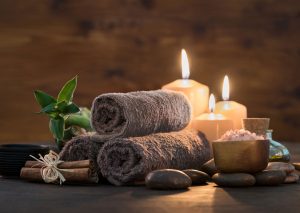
211 124
231 109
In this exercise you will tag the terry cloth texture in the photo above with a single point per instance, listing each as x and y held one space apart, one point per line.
85 147
116 115
127 160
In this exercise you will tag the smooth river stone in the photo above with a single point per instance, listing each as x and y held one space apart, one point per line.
234 179
168 179
270 177
197 176
287 167
291 178
297 166
210 167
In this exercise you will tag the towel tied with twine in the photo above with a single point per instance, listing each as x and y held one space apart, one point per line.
50 171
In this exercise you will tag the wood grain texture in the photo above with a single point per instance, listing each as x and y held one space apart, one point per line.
204 198
125 45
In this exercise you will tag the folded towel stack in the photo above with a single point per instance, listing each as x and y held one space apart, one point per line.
138 132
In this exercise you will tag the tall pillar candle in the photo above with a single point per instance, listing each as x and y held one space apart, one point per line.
196 92
231 109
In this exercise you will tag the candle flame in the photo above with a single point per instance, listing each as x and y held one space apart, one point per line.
225 91
185 67
212 103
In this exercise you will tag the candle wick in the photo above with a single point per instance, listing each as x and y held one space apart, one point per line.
185 81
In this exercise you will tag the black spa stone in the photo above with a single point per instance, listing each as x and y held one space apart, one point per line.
270 177
209 167
165 179
197 176
233 179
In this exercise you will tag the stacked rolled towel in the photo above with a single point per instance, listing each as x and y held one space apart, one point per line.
116 115
85 147
130 140
127 160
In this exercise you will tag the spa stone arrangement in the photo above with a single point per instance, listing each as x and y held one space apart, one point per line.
170 138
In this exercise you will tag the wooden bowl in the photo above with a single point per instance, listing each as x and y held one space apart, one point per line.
241 156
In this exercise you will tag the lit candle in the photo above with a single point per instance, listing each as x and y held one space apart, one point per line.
231 109
196 92
211 124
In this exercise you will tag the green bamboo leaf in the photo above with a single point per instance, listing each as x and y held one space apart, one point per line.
43 98
71 108
59 143
49 109
65 108
53 114
66 93
57 126
61 106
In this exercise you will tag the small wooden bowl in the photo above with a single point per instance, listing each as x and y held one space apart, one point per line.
241 156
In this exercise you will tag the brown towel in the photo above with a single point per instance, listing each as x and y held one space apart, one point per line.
127 160
85 147
139 113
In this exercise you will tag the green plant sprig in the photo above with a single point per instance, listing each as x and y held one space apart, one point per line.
63 113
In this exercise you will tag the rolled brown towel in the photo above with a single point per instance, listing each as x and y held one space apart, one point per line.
139 113
85 147
128 160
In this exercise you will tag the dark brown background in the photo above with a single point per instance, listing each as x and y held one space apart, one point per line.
125 45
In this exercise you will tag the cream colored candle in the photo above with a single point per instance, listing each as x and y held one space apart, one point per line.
211 124
196 92
231 109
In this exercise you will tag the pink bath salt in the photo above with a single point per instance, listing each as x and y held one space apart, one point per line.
240 135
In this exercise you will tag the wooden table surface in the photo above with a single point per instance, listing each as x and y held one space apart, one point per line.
20 196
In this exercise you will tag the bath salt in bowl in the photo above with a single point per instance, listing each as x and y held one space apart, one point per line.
240 135
241 151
